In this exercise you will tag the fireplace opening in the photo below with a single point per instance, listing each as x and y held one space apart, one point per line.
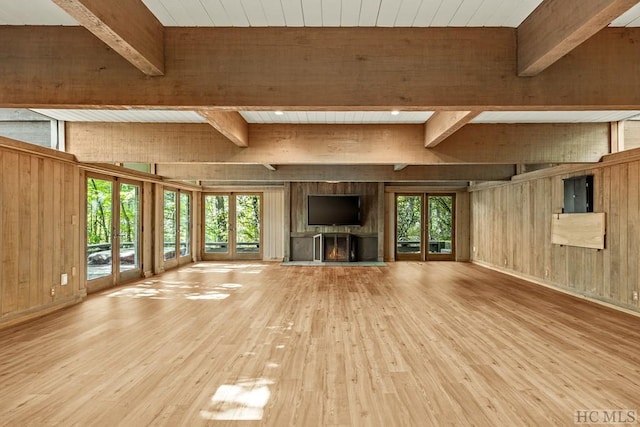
335 247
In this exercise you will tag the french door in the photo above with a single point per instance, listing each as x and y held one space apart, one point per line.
113 231
425 227
176 227
232 226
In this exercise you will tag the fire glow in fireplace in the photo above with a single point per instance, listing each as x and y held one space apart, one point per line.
334 247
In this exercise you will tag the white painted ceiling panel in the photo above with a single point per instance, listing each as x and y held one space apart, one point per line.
553 116
446 12
331 13
350 16
333 117
123 116
295 13
464 14
235 11
369 13
33 12
274 13
255 13
293 16
407 13
388 12
312 13
629 19
215 13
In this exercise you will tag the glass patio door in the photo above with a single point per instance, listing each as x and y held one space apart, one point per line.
425 227
409 227
176 227
113 231
232 226
441 208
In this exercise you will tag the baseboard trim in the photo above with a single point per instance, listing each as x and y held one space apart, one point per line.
536 281
34 313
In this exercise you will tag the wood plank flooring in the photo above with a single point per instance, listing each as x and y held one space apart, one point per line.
264 344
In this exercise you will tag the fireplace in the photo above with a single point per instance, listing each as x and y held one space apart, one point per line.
334 247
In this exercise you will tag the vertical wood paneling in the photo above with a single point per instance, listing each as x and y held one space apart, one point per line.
389 226
82 231
633 243
39 197
274 224
2 203
606 207
10 234
622 197
23 205
463 222
49 225
35 232
511 223
77 243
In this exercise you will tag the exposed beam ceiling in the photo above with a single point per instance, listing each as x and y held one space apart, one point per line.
234 77
346 173
229 123
338 144
127 27
557 27
351 68
443 124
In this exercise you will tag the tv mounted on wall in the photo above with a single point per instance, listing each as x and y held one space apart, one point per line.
578 194
333 209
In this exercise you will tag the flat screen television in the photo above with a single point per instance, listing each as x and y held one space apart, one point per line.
333 209
578 194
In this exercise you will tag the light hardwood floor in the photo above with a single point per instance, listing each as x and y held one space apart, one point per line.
408 344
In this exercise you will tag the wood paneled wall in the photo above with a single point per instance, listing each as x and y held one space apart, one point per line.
369 206
511 230
40 237
273 218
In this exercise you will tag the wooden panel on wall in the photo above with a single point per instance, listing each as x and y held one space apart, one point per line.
583 230
611 274
40 234
274 224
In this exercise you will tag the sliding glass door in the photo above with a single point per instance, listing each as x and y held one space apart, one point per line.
425 227
232 226
113 231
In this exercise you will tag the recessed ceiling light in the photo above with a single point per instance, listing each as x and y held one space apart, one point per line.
395 112
279 113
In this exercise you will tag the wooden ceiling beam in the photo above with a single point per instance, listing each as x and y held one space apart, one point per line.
443 124
338 144
557 27
229 123
128 27
356 69
347 173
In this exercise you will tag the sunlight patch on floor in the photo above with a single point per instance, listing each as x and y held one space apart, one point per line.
244 268
159 289
244 400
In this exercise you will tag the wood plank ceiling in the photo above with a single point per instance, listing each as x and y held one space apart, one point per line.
144 33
